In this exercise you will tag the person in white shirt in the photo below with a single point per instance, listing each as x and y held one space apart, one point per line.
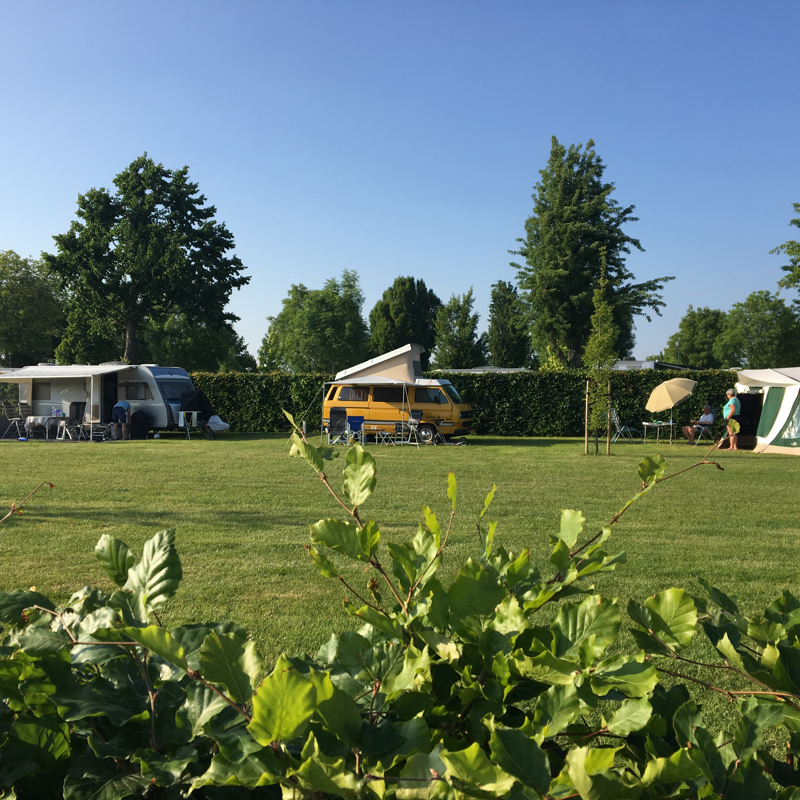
697 425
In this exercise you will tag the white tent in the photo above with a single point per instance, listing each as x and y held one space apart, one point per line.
779 424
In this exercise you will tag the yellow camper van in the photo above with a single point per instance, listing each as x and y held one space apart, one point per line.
389 390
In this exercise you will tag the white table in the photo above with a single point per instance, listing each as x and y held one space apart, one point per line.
47 421
657 426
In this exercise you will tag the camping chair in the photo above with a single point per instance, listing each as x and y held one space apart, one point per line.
354 430
337 426
14 421
621 429
411 427
72 424
705 431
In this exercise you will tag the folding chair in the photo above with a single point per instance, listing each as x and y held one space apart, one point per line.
72 424
621 429
704 431
354 430
337 426
14 421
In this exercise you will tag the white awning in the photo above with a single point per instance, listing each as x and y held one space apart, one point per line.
789 376
52 372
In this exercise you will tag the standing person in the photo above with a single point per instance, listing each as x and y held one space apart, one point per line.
121 416
730 412
697 425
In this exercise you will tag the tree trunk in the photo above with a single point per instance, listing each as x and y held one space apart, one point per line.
130 341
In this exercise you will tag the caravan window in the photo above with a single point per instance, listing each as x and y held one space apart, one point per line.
41 390
351 394
387 394
451 392
136 391
175 391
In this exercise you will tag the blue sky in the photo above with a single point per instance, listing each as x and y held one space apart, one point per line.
405 138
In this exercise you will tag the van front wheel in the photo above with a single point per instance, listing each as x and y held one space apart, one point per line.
426 434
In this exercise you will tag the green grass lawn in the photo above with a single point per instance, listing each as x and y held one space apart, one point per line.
242 508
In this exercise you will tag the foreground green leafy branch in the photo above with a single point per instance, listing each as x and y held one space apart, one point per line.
511 682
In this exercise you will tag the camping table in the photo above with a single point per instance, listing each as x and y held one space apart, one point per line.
46 421
657 426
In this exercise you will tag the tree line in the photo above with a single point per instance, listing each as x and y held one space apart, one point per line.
759 332
145 273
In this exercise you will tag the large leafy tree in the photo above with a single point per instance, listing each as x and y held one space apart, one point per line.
318 330
508 337
761 332
693 344
574 221
150 250
31 310
792 250
458 345
405 313
196 346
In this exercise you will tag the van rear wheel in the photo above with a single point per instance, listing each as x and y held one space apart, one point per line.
426 434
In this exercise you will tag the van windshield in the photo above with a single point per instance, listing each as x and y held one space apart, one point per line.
451 392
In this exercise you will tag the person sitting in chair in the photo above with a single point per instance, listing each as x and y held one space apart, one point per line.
697 425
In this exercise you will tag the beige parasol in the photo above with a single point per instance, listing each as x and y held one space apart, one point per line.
670 393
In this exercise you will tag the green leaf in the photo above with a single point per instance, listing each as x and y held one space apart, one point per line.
595 622
632 715
165 770
130 606
282 706
432 524
474 596
359 475
262 768
320 773
729 651
734 426
337 710
590 771
101 698
157 575
93 778
678 767
651 469
12 604
231 662
521 757
487 502
418 771
414 676
39 642
344 537
115 557
706 755
201 705
472 768
556 708
307 452
675 617
545 668
371 616
571 527
451 491
757 716
325 566
626 674
159 641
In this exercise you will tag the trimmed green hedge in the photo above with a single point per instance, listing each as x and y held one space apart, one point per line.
537 403
252 401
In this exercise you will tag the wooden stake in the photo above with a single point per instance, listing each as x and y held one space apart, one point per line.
586 423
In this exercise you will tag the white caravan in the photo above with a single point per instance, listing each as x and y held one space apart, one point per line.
158 391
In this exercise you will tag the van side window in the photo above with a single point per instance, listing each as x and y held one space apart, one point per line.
430 395
357 394
387 394
41 390
331 392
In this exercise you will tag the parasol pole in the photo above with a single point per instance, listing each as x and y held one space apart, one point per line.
608 422
586 423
